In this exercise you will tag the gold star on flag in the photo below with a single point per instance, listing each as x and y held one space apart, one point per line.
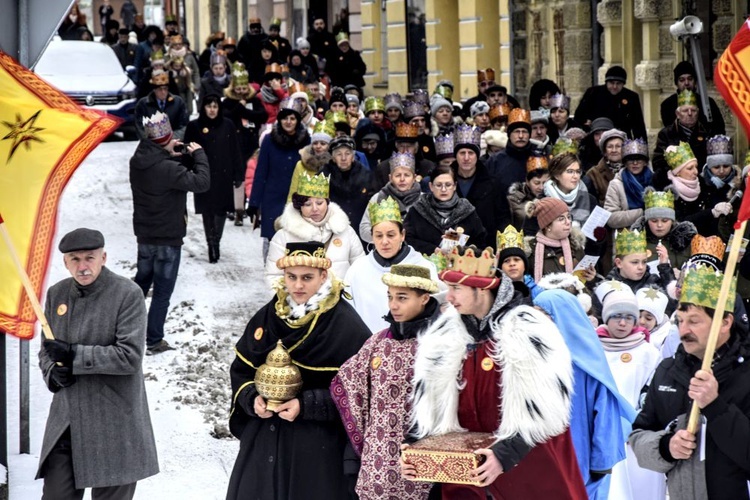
22 132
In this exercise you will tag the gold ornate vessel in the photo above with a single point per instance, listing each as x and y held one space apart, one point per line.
278 380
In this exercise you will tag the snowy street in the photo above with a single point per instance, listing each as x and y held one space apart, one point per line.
188 389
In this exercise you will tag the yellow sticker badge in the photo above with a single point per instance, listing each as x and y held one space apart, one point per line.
258 333
62 309
487 364
337 242
376 362
626 357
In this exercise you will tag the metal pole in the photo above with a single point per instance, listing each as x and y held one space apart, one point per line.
695 50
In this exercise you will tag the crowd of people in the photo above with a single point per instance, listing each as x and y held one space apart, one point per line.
533 272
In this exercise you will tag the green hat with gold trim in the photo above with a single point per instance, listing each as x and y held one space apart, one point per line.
658 204
239 74
702 285
342 37
316 186
628 242
678 156
564 145
336 117
324 131
687 98
386 210
374 103
410 276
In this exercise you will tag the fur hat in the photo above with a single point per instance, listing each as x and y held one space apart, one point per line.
570 283
410 276
546 210
302 43
496 138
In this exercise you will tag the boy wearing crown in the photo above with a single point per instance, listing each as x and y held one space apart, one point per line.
456 382
295 451
373 389
714 462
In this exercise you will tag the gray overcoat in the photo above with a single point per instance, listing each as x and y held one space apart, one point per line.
106 409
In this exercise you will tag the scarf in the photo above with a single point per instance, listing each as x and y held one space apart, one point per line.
551 191
403 252
444 208
719 183
541 242
178 52
634 186
268 95
577 200
405 199
638 336
223 79
687 190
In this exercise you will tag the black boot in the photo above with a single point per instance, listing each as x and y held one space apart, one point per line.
217 254
212 257
240 214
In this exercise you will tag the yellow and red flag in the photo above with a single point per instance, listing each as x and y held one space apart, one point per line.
44 137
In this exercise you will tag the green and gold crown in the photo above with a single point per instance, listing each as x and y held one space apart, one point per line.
316 186
510 238
564 145
239 74
386 210
438 258
687 98
325 127
336 117
658 199
374 103
702 285
679 155
628 242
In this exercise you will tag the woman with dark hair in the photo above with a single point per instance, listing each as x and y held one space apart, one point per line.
520 193
565 184
625 193
440 210
219 139
540 93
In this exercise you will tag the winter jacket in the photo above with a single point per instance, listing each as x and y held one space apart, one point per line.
518 196
174 108
726 469
489 200
425 227
352 189
668 111
346 68
616 203
508 167
597 180
553 257
252 164
247 119
672 135
677 242
309 163
279 154
624 109
341 241
160 183
697 211
209 85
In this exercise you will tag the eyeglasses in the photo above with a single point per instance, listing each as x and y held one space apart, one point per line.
623 317
573 171
445 187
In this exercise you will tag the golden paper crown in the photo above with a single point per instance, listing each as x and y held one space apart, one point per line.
658 199
159 78
239 74
536 163
687 98
702 285
374 103
564 145
386 210
500 111
510 238
712 245
325 127
470 264
295 87
342 37
629 242
275 21
316 186
519 115
679 155
406 131
485 75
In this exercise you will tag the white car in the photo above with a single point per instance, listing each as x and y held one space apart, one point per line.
90 74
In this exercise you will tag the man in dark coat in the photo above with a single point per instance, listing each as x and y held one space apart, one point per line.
98 432
124 50
160 99
685 128
347 66
282 44
322 41
685 79
485 80
295 450
154 41
613 100
160 183
250 44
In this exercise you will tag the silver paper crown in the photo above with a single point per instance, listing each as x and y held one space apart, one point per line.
157 125
392 100
412 109
466 134
444 145
297 105
422 97
719 145
559 101
405 160
540 115
635 147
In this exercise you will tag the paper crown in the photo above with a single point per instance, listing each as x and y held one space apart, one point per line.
653 199
536 163
444 145
687 98
422 97
410 276
393 101
559 101
158 128
438 258
316 186
324 127
519 115
402 160
275 21
159 77
295 87
276 69
539 116
720 151
444 91
385 211
702 286
342 37
406 131
711 245
229 42
412 109
336 117
239 74
678 156
307 254
468 266
297 105
157 57
500 112
218 57
466 134
510 238
629 242
634 148
374 103
564 145
485 75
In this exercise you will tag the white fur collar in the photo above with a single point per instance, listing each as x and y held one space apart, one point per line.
293 222
299 310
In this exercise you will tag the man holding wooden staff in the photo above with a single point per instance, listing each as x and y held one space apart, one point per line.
713 462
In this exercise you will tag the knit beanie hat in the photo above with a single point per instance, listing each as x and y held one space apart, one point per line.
438 103
514 252
341 142
617 74
653 301
496 138
683 68
479 108
352 99
546 210
620 301
302 43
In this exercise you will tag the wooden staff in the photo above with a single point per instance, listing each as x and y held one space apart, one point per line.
713 336
26 283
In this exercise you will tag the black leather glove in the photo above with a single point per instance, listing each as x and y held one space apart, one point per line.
59 351
60 377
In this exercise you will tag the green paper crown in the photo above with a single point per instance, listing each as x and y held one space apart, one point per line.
687 98
677 156
386 210
239 74
629 242
701 288
658 199
325 127
439 259
374 103
314 187
564 145
336 117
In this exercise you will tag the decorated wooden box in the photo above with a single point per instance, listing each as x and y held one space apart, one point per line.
448 458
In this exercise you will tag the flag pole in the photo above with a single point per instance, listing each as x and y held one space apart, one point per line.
713 336
46 330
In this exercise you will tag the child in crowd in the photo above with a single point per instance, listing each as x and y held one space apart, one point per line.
652 304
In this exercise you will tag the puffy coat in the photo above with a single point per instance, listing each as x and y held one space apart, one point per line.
616 203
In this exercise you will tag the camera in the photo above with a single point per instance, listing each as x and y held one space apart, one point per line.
180 148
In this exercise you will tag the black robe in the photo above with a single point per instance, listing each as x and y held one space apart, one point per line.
303 459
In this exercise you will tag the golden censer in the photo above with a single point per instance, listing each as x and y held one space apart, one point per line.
278 380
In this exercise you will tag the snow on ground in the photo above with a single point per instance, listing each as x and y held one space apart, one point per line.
188 388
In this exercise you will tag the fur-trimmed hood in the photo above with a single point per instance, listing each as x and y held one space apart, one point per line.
679 238
313 163
300 138
291 220
519 192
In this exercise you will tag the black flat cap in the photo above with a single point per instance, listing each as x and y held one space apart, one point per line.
81 239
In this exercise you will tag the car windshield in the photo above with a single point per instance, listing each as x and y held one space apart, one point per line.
79 59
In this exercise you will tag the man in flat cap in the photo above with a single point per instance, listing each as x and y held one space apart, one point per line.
99 431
